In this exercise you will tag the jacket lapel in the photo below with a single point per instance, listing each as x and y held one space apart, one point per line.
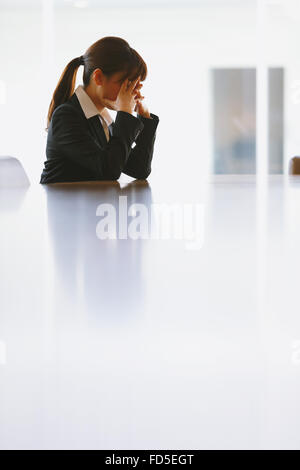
94 122
97 130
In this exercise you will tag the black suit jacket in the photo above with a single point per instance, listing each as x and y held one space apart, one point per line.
77 148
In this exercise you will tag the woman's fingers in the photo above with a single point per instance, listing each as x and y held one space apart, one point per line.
127 84
139 96
133 83
124 85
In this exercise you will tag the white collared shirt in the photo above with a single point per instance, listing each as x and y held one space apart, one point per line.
90 110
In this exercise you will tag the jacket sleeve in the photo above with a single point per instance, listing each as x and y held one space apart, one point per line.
138 164
74 141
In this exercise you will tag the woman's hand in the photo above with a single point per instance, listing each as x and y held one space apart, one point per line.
140 107
112 104
126 98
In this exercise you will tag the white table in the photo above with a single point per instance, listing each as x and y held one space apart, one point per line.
125 344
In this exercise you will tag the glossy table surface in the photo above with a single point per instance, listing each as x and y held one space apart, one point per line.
154 342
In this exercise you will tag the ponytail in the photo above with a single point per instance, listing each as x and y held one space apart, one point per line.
65 87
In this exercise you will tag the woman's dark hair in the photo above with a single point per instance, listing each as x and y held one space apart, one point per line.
111 54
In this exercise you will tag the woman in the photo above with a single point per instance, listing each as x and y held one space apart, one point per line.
83 141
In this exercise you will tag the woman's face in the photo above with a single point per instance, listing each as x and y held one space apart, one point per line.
112 85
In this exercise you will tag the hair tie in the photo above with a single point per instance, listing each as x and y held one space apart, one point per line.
81 60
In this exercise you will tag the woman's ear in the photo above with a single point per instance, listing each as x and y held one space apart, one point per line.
98 76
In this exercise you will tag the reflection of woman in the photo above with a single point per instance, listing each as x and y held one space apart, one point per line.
83 142
103 278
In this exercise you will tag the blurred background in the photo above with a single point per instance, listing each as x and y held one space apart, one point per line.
224 77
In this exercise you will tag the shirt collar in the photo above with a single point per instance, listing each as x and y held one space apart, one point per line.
89 107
